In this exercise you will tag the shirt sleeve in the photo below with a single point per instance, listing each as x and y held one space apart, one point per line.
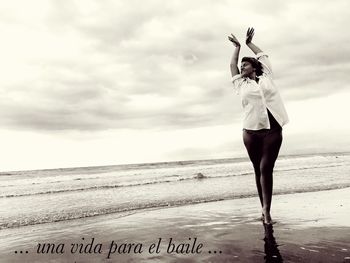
237 81
265 62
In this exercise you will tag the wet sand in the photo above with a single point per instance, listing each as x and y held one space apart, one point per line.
311 227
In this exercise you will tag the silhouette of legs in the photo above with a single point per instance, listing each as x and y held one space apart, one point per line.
263 147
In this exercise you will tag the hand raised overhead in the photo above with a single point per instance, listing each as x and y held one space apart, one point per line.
250 34
234 40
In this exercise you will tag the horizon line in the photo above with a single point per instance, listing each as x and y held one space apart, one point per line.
166 162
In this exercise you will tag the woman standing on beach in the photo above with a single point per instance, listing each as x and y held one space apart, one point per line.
264 116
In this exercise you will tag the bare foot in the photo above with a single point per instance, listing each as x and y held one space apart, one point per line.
266 218
262 218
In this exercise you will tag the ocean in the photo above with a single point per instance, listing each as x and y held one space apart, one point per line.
44 196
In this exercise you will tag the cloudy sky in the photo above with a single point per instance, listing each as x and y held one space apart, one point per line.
107 82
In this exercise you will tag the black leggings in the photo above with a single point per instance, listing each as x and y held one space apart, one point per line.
263 147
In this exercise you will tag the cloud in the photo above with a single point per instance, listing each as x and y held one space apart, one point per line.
86 65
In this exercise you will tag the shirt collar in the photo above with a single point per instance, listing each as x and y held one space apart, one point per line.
248 79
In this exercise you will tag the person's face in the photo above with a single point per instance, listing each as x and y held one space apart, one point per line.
246 69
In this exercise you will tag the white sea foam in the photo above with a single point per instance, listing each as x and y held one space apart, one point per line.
34 197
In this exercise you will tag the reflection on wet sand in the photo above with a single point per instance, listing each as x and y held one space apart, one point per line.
272 254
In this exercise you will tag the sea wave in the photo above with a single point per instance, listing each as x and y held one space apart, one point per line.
38 197
160 180
50 218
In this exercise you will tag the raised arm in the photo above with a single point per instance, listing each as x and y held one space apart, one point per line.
263 58
248 41
234 59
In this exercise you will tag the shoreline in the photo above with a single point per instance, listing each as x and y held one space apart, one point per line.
120 214
319 231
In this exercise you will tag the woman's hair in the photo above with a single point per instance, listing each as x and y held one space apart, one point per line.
255 64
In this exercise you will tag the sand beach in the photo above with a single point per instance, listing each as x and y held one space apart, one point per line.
310 227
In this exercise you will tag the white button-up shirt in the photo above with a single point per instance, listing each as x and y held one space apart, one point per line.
258 97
